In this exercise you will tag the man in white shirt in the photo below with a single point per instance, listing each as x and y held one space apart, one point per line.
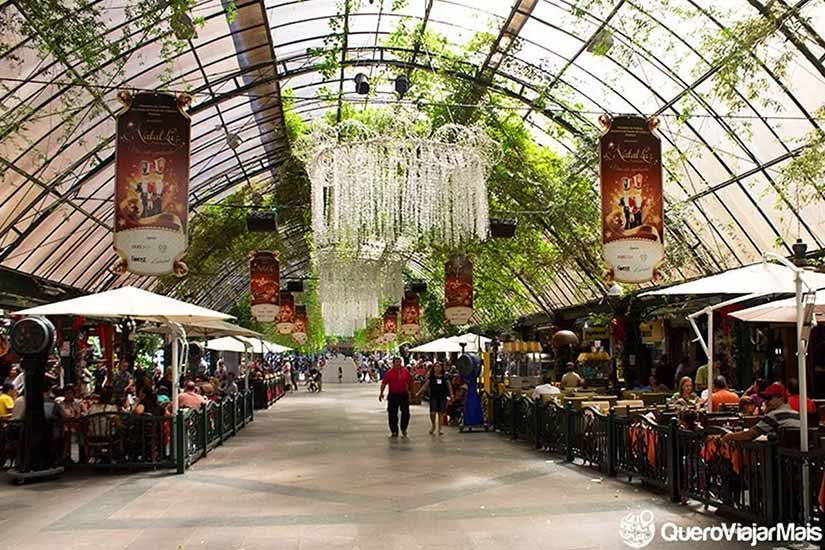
545 389
571 378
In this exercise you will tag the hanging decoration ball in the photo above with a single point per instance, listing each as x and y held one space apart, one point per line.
565 338
458 290
353 283
286 313
406 182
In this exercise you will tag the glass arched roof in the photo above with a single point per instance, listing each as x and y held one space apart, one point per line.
560 63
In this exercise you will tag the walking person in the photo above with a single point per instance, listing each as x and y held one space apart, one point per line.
440 388
400 383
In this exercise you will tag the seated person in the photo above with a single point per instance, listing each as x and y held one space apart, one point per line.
104 402
793 397
689 420
756 390
721 394
189 398
685 396
7 401
571 378
655 386
746 406
546 389
778 416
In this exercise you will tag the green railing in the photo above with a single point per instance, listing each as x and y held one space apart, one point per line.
200 431
268 390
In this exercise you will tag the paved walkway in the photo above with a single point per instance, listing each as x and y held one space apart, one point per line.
318 471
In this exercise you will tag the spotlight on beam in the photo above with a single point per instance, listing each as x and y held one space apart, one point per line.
362 84
502 229
402 85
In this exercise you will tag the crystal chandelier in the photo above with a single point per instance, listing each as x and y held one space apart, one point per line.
401 183
353 285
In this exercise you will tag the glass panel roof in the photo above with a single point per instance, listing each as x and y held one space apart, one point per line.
559 63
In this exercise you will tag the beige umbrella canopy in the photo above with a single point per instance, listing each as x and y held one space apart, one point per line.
442 345
207 329
780 311
129 302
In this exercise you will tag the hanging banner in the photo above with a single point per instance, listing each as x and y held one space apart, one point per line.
152 183
286 313
390 324
632 204
265 285
458 290
410 314
299 334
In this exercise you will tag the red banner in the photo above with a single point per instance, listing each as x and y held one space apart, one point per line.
458 290
152 183
632 204
286 313
299 334
390 324
265 285
410 314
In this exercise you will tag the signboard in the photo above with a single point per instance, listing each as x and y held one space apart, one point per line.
631 196
286 313
265 285
596 333
299 334
152 183
652 332
410 314
390 324
458 290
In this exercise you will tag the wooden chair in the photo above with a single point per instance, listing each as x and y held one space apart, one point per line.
102 438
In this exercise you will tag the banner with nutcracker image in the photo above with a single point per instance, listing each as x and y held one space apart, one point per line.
631 197
390 325
265 285
286 313
299 334
410 314
152 183
458 290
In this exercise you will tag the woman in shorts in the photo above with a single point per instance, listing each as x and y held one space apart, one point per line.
440 389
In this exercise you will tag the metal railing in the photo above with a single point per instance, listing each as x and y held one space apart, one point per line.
757 482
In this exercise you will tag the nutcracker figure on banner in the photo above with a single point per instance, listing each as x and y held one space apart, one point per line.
631 196
299 334
390 324
410 314
152 183
458 290
265 285
285 322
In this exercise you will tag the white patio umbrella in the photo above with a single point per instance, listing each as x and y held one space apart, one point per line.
760 278
442 345
753 281
129 302
207 329
474 343
229 343
259 344
781 311
141 305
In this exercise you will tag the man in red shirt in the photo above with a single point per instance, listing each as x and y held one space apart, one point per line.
793 399
400 382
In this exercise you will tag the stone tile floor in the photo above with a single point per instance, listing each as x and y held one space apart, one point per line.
318 471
